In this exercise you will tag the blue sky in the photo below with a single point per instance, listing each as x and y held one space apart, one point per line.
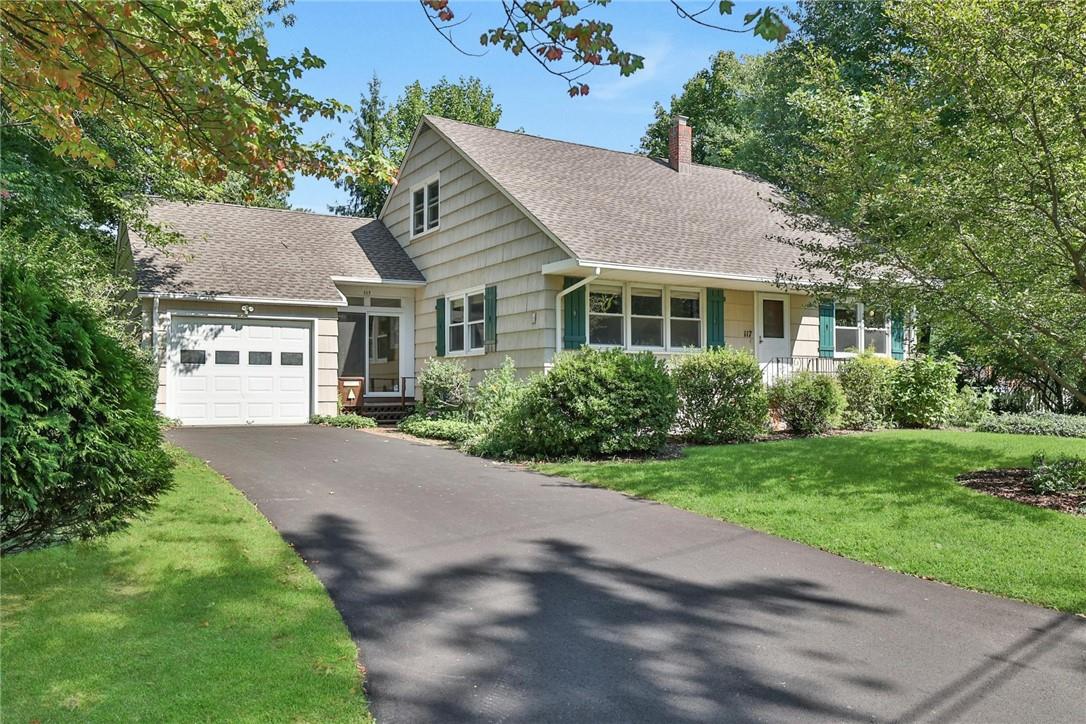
395 40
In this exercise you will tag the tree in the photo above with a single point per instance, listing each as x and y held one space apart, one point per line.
101 106
380 138
959 181
738 107
562 37
714 100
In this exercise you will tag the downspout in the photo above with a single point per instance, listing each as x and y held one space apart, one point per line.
558 306
154 329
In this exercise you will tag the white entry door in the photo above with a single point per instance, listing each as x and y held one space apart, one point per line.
772 327
235 372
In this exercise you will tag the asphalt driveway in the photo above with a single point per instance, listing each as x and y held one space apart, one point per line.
479 592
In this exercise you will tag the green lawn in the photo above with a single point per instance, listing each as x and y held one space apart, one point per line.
887 498
200 612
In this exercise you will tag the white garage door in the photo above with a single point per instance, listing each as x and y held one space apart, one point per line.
233 372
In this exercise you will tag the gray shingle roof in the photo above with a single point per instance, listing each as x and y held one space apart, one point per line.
265 253
622 208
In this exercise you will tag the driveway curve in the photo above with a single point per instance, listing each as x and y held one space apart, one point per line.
480 592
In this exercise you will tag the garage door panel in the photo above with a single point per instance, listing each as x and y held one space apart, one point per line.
227 383
252 371
292 384
191 383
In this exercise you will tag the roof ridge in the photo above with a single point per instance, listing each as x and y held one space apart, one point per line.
266 208
525 134
658 159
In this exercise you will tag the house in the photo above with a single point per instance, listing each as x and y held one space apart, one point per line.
492 244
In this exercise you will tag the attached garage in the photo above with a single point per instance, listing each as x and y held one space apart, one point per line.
230 371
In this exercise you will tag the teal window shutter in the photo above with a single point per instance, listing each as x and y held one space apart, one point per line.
574 335
826 324
714 318
490 318
440 309
897 335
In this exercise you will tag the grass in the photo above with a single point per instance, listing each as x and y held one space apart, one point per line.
199 612
887 498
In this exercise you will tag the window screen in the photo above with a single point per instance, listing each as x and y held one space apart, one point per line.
352 344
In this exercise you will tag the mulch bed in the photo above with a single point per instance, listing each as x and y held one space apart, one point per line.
1013 484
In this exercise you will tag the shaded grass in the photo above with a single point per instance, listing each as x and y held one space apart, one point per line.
887 498
199 612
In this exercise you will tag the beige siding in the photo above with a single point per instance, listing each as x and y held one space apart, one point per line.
804 315
739 319
482 240
326 368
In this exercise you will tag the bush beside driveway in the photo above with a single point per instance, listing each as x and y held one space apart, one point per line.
888 498
199 612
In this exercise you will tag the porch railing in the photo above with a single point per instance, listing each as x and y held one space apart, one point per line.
784 367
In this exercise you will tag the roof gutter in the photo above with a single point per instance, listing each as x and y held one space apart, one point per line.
558 306
229 298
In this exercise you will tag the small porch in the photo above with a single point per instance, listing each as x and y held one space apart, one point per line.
376 351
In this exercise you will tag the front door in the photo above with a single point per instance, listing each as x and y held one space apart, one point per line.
772 327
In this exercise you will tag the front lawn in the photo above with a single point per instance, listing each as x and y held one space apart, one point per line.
198 613
887 498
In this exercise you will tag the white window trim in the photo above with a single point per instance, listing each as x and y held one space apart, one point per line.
424 186
624 315
627 317
467 351
861 341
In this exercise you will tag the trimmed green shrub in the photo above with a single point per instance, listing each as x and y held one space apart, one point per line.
354 422
968 407
808 403
721 396
591 403
924 390
82 445
866 380
446 388
1035 423
1057 475
454 429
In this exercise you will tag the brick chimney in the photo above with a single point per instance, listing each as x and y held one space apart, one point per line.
679 143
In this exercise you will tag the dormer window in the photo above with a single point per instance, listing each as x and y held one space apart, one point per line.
425 207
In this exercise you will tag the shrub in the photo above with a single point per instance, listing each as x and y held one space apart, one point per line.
496 395
866 381
1057 475
807 402
355 422
446 388
591 403
82 443
1036 423
968 407
454 429
924 390
721 396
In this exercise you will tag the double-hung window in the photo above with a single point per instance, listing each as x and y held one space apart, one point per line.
859 327
465 315
425 207
646 317
685 319
605 318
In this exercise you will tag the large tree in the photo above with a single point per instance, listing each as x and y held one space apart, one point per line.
738 107
960 179
380 136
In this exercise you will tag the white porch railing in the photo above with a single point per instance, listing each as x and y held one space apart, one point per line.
784 367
